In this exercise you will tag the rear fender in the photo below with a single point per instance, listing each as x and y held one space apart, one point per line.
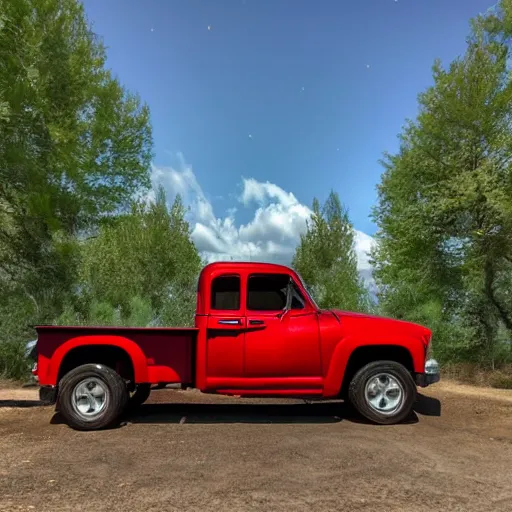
49 369
344 349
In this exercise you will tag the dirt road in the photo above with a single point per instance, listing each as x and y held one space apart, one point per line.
224 454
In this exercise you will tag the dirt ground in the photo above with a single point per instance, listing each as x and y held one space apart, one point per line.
207 453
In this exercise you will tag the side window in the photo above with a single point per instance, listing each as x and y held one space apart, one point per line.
267 292
226 293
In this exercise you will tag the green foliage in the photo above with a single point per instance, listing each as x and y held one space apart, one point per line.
140 270
326 260
139 314
75 149
148 254
17 313
13 363
444 213
74 145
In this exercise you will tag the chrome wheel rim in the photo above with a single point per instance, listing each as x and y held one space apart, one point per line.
90 398
384 393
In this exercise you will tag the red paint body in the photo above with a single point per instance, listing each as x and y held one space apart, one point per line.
298 352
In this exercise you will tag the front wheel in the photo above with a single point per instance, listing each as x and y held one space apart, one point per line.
383 392
92 397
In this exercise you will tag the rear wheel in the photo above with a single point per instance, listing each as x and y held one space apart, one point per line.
92 397
383 392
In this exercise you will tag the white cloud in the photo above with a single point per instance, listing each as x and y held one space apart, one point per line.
363 244
260 193
271 235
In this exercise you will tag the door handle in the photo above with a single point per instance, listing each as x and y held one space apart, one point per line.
230 322
256 322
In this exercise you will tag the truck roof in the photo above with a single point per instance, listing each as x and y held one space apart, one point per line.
233 267
241 264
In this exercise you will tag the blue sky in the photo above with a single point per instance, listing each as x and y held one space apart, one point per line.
260 105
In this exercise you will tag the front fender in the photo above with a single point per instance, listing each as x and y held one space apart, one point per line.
49 369
345 348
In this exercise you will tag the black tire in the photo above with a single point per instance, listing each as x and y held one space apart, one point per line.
141 394
404 382
105 383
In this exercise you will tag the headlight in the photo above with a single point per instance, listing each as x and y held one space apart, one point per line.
431 367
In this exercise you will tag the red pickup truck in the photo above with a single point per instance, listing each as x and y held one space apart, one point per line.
258 333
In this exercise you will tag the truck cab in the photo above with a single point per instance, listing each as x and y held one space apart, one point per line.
260 330
258 333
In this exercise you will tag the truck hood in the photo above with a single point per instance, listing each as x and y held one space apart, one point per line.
373 322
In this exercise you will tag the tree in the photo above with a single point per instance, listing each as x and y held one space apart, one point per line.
74 148
74 144
445 201
326 260
145 256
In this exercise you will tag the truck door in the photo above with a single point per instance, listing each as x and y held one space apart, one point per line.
282 340
225 331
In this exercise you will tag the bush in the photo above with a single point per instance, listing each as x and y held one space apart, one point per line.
465 373
13 363
478 375
501 380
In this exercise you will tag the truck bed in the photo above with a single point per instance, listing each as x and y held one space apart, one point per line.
167 353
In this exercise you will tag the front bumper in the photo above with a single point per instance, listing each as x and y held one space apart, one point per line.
48 395
431 376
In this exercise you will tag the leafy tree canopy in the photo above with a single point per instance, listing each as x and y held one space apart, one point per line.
445 200
326 260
